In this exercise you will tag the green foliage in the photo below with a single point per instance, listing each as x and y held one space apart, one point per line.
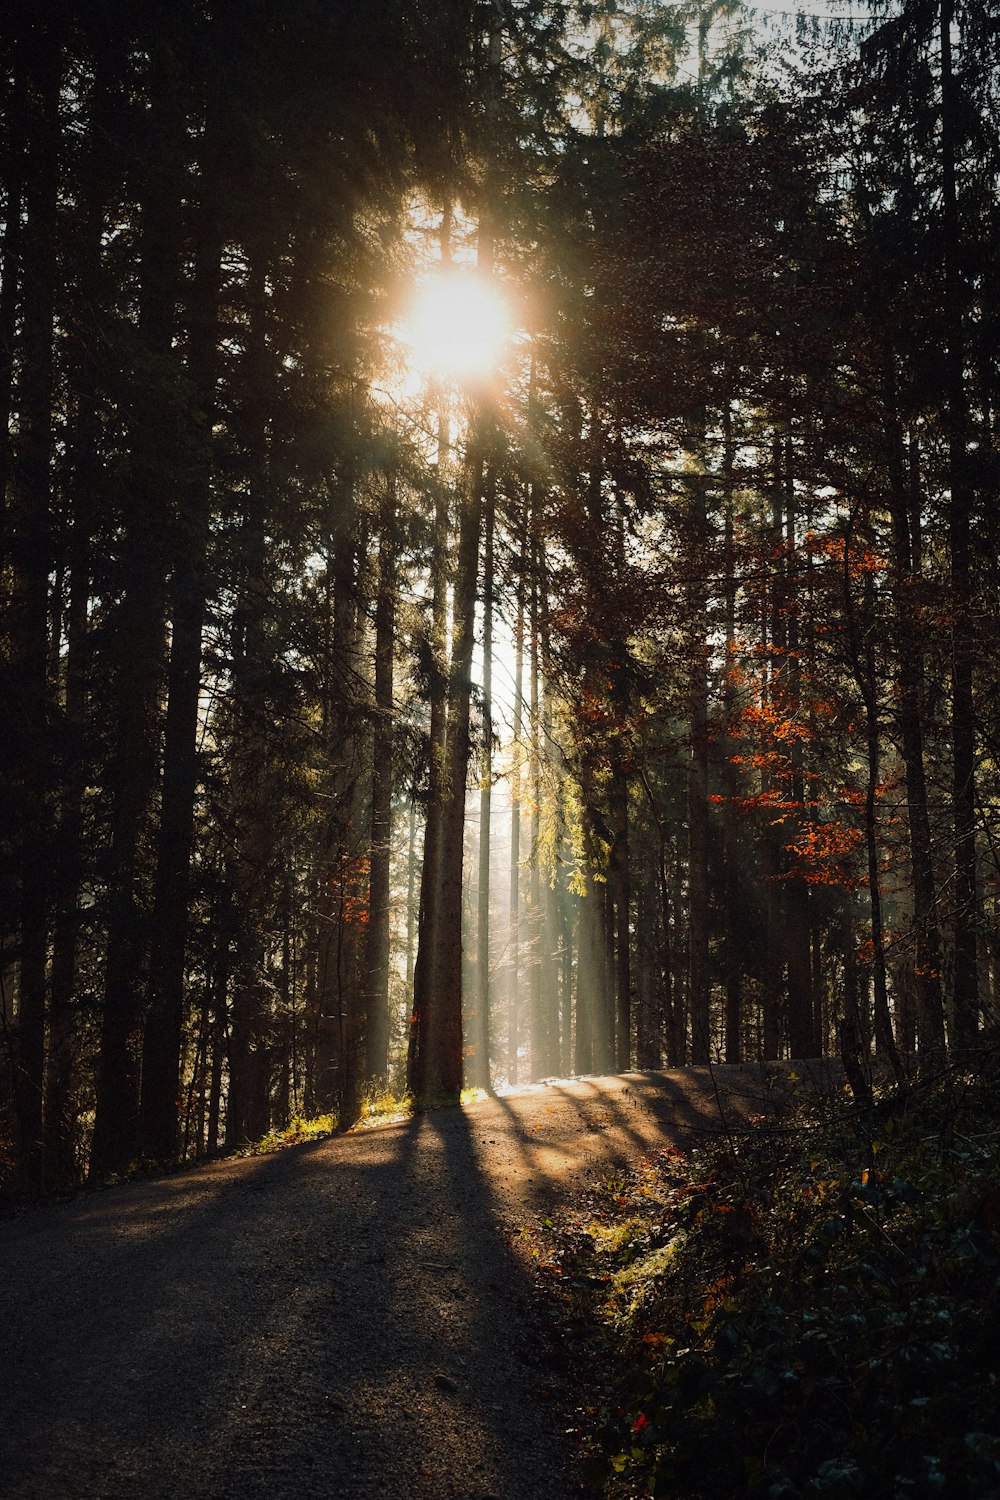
804 1312
295 1133
379 1105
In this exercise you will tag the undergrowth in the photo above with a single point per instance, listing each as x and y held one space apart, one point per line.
294 1133
808 1311
379 1105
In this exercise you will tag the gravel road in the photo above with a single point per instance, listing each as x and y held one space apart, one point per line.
339 1320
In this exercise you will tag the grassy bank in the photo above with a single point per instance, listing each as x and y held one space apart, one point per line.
808 1310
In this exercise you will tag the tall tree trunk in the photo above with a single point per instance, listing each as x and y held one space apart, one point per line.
516 774
377 954
84 489
443 1049
161 1057
697 797
960 507
664 1021
647 1052
732 956
910 676
428 917
247 1112
622 895
539 1018
479 1072
153 463
774 639
15 164
800 997
31 550
862 649
411 894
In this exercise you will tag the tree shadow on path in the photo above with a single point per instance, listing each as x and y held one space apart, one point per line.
342 1321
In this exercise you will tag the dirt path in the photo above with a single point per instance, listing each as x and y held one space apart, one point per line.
341 1320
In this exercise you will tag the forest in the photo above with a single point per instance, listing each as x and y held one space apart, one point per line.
498 553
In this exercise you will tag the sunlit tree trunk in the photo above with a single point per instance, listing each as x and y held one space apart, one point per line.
646 1028
411 894
539 1018
622 896
479 1071
377 949
514 886
443 1037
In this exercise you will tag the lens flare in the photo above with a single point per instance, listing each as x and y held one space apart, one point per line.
457 326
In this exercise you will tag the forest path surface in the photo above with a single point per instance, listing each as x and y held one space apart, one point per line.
340 1320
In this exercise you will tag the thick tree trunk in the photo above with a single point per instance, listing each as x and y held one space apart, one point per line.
428 917
442 1076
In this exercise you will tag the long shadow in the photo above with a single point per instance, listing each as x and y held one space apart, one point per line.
195 1359
598 1110
85 1285
602 1108
502 1387
607 1116
636 1114
339 1320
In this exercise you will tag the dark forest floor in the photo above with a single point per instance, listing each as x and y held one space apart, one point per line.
800 1310
347 1319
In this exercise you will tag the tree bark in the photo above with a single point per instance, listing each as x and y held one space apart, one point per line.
161 1057
377 951
479 1071
153 457
31 555
965 1000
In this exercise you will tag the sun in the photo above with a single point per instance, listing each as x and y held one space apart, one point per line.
457 326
